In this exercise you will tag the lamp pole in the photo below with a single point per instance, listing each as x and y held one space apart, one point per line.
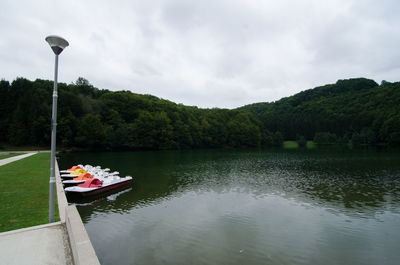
57 44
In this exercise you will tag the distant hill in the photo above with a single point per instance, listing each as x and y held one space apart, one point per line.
350 108
90 118
357 109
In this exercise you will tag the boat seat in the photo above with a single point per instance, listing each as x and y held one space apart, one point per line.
74 168
84 176
91 183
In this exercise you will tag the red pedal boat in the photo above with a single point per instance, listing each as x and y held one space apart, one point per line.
95 186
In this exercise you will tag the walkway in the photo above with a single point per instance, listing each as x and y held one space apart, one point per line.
42 244
15 158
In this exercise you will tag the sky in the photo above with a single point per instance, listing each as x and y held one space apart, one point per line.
208 53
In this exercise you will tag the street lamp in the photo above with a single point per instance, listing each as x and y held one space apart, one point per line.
57 44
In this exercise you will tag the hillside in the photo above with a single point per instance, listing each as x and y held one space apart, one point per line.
100 119
350 108
90 118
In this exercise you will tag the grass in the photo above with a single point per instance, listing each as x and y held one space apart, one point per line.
311 145
24 192
290 145
9 155
295 145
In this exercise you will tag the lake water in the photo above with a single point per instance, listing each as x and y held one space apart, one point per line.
320 206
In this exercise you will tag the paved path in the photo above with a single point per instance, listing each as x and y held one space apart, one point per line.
42 244
15 158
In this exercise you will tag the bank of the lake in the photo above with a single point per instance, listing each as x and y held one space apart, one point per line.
276 206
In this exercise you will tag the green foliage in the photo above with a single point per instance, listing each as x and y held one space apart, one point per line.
365 137
356 109
301 141
344 140
90 132
243 132
323 138
390 130
311 144
100 119
278 139
4 109
153 130
290 145
267 138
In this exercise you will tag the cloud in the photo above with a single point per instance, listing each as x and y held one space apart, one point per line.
207 53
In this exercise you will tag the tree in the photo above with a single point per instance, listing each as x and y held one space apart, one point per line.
90 133
344 140
367 136
385 83
243 132
267 138
301 141
347 106
93 118
323 138
121 138
390 130
66 129
154 130
5 106
82 82
18 130
278 139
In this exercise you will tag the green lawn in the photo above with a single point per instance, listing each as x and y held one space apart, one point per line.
294 145
9 155
24 192
290 145
311 145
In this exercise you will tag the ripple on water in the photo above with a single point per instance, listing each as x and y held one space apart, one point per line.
253 208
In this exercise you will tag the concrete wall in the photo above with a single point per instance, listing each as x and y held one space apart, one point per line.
81 247
62 200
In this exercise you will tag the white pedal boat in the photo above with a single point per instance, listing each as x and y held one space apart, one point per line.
96 186
99 174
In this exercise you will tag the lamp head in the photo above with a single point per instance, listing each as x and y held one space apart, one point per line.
57 43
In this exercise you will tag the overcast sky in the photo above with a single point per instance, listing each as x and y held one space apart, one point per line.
208 53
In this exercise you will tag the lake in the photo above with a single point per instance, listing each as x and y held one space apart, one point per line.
319 206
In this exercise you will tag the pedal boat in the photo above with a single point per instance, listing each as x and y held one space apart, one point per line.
95 186
78 180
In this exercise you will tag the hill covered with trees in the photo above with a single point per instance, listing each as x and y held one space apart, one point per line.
357 109
122 120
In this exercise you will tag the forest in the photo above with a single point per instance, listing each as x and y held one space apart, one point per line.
357 110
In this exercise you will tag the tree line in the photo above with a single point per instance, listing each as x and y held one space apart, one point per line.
90 118
357 109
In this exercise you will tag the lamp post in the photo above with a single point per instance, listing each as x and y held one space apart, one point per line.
57 44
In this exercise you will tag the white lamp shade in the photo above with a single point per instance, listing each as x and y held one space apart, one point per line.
57 44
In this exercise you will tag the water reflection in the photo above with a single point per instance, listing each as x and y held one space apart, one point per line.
350 182
249 206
